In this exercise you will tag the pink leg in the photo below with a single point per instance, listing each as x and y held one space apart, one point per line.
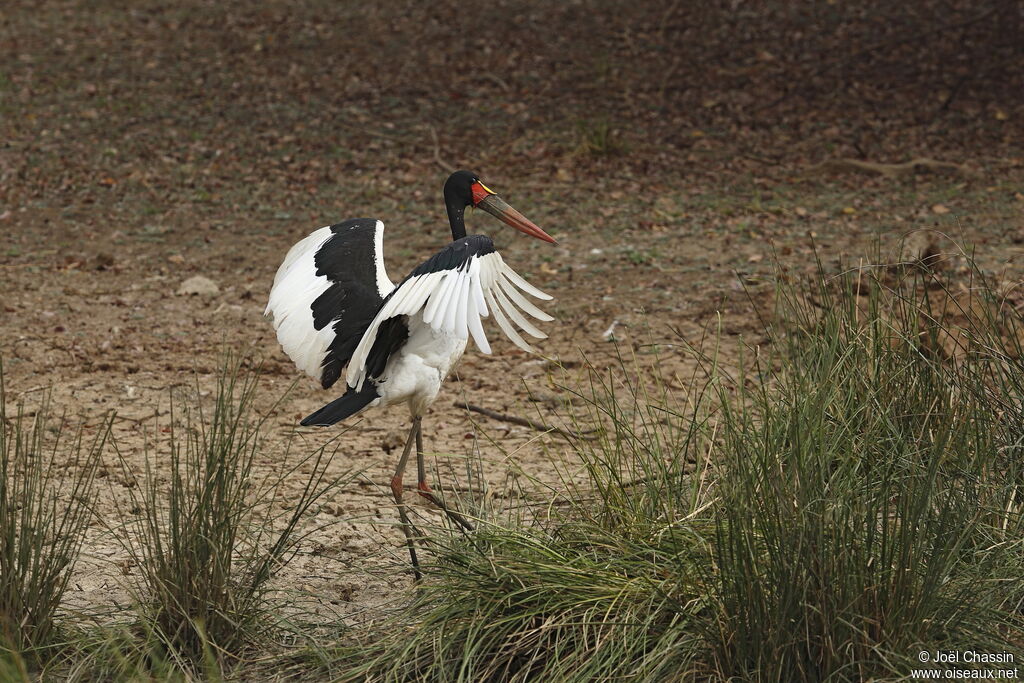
425 490
396 490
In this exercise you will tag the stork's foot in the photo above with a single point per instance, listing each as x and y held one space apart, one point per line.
457 517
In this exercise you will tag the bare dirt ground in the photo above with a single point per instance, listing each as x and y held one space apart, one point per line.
674 153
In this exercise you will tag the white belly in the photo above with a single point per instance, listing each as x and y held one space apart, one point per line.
416 372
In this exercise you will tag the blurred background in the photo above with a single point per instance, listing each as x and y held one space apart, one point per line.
230 109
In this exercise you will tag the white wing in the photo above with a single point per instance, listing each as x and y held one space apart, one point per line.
455 301
296 287
326 290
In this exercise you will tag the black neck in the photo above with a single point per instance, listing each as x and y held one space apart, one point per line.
456 217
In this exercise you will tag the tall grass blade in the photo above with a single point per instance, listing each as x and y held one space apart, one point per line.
46 498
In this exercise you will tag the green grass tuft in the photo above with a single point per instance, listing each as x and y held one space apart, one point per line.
46 497
599 138
212 537
867 501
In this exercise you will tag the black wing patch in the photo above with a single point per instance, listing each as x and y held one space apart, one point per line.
391 336
455 255
348 259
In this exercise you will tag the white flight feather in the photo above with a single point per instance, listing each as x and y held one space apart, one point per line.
452 305
414 294
384 283
421 290
476 328
401 295
503 323
461 328
522 284
307 245
516 316
490 264
478 295
476 307
437 297
296 287
476 291
522 301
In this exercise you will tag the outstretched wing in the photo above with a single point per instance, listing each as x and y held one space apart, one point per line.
327 292
453 290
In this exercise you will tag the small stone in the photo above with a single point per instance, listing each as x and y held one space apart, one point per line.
197 284
176 259
392 440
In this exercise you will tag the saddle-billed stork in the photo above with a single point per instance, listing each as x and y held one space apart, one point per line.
333 305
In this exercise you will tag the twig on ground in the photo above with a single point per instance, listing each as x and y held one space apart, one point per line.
362 487
139 420
497 81
526 422
890 170
437 151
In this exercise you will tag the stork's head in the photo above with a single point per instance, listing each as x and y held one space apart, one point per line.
463 188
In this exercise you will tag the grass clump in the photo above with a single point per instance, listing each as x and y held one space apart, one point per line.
867 502
46 496
601 581
848 499
212 536
599 138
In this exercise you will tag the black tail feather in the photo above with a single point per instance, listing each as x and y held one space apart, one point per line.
337 410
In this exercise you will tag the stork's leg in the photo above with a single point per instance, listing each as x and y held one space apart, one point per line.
427 492
396 489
